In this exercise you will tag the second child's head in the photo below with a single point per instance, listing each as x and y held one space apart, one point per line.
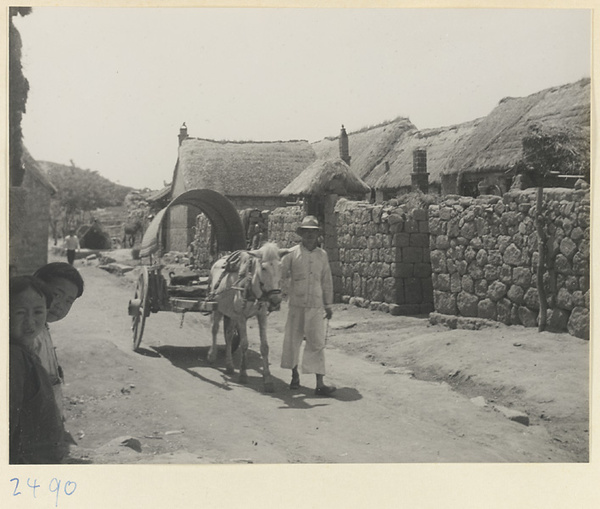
29 301
66 284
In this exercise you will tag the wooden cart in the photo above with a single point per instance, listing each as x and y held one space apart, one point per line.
152 293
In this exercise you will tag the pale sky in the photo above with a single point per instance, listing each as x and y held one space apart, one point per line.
109 88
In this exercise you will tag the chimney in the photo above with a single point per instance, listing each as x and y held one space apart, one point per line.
344 151
182 133
419 176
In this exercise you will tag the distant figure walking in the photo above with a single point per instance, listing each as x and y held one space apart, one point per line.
71 245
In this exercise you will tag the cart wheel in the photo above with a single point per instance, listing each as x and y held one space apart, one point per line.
138 318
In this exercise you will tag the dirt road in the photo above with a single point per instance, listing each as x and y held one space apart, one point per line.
407 391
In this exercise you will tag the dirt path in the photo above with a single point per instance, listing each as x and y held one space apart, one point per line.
404 391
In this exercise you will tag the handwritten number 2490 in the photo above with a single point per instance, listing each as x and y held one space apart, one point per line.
69 487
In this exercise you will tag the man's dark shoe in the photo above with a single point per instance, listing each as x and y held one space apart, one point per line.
325 390
295 383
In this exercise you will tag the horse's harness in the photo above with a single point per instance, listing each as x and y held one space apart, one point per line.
244 283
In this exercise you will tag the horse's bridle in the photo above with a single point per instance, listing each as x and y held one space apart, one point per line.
266 294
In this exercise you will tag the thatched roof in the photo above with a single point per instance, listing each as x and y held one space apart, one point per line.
242 168
382 155
37 171
164 193
496 144
332 176
440 144
368 146
490 143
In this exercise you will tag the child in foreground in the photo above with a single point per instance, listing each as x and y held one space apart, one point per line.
35 424
66 285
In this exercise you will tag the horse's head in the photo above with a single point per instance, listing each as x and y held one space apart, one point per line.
266 277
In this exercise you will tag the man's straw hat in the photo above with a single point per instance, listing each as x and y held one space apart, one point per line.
308 223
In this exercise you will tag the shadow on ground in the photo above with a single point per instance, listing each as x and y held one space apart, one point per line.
191 359
147 353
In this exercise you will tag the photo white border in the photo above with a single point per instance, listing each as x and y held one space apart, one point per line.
421 486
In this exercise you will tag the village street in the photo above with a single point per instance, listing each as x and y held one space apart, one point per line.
407 392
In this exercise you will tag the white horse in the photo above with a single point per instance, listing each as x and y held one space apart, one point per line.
253 290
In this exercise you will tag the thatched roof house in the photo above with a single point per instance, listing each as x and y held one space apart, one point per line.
393 173
250 174
496 144
157 196
461 155
240 168
325 177
159 199
391 158
368 146
383 155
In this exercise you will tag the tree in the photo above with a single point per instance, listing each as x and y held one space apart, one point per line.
78 193
545 153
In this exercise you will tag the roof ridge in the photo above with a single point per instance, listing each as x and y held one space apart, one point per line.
546 91
243 142
37 171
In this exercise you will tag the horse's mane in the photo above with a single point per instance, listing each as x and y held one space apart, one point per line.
269 252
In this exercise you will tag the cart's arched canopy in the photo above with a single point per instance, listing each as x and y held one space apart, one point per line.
225 220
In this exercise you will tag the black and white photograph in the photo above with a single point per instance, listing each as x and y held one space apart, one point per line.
252 238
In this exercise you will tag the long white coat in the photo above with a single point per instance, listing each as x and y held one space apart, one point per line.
310 290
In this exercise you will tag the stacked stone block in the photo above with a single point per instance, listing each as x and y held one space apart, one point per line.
283 222
384 256
205 253
484 256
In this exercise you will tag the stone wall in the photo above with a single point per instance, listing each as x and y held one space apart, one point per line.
177 222
484 255
180 218
384 256
283 222
29 225
204 244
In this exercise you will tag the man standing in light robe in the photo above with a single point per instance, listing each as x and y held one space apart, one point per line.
310 291
71 245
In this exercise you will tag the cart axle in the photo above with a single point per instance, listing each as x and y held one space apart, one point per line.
134 307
